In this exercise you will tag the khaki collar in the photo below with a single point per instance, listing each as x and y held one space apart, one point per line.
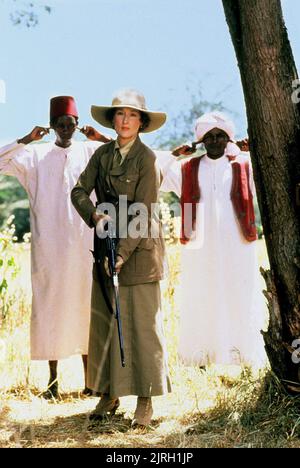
107 158
125 149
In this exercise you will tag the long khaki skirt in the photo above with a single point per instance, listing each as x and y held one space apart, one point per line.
146 371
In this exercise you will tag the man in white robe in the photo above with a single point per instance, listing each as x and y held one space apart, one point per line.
222 309
61 261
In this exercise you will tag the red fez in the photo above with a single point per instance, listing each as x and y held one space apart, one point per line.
62 105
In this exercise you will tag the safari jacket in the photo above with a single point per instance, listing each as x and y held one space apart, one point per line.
139 179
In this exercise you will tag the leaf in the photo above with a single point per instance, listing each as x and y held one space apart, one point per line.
11 262
3 285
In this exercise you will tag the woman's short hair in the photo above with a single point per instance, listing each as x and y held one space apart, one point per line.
144 118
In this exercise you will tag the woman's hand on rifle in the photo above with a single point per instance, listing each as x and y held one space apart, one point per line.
119 264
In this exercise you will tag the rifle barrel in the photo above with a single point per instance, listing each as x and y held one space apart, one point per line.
111 252
118 317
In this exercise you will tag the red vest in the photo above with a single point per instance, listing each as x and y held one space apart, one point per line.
241 198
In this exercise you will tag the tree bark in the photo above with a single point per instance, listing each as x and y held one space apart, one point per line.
267 71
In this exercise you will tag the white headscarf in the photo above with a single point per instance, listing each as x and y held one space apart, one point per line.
211 120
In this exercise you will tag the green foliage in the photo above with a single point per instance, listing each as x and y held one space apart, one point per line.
171 219
180 128
27 14
14 201
169 198
12 298
21 213
8 267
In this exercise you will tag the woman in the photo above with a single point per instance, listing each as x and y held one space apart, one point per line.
126 167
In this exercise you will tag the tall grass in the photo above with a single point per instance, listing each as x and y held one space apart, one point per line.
228 407
14 309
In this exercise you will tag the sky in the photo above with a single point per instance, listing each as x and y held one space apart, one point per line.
168 49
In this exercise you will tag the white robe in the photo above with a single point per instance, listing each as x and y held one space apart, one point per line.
61 262
222 308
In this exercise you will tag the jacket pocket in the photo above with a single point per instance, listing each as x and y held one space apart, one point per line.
128 178
145 244
147 258
126 185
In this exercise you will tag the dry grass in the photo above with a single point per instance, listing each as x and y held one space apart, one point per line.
221 407
206 409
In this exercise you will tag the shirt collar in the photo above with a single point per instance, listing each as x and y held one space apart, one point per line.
64 150
125 149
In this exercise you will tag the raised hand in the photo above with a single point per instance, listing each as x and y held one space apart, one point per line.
184 150
92 134
36 134
119 264
243 144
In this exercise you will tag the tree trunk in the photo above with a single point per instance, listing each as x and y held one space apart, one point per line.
267 71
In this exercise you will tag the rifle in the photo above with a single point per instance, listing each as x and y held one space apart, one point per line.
110 241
